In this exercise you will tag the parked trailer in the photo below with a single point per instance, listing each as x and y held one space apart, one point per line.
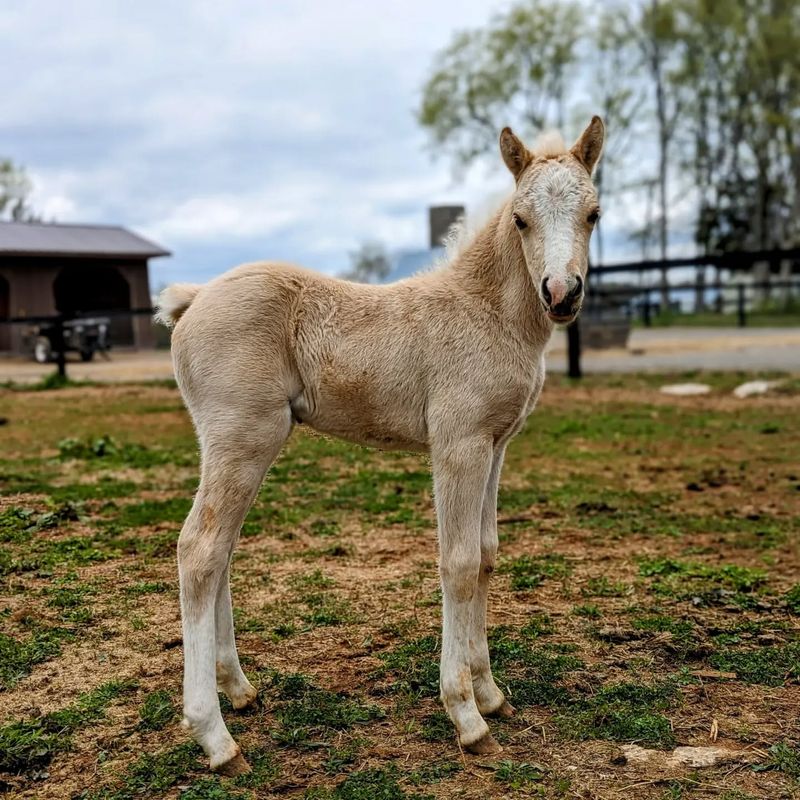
85 336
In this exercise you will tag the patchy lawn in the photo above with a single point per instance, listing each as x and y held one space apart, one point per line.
648 594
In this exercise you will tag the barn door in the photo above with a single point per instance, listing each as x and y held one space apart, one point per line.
88 288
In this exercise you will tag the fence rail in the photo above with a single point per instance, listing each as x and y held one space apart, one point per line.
638 297
737 261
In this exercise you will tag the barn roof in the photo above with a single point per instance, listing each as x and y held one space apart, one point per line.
52 239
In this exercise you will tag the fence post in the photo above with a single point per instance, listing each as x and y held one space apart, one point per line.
740 305
646 312
574 350
58 346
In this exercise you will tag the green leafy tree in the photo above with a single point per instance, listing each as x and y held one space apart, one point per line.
516 71
617 96
700 97
655 29
743 61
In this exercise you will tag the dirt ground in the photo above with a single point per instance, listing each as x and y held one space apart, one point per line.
643 619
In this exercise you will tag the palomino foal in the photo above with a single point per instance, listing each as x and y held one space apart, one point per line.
449 362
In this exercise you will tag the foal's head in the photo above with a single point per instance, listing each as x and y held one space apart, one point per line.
554 209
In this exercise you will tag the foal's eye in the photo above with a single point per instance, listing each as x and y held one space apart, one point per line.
520 223
593 217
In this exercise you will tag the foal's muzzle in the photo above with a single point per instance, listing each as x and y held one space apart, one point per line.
561 305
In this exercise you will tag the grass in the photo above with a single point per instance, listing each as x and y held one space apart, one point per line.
307 714
158 710
152 773
704 584
107 450
18 656
792 599
587 610
771 666
528 572
518 775
683 633
534 673
646 585
31 744
413 667
623 712
603 586
784 757
368 784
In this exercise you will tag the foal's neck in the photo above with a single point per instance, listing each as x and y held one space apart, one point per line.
493 266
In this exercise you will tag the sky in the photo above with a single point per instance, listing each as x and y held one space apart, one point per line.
237 131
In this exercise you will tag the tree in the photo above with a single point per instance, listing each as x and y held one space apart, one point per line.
659 40
369 264
15 187
701 99
616 95
744 63
514 72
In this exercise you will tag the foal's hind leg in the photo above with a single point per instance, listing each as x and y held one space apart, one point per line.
235 458
230 678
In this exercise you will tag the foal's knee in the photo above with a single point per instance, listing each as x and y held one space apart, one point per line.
460 576
202 556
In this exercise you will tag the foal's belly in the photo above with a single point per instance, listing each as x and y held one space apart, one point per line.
356 415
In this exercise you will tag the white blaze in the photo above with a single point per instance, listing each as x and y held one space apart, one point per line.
556 198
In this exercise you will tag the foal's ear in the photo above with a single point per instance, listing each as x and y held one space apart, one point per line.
514 152
590 144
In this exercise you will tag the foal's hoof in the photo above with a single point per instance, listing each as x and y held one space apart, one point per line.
233 767
485 746
504 711
244 699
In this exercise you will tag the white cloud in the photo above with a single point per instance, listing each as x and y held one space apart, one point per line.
221 216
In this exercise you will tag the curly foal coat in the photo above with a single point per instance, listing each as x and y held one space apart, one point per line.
449 362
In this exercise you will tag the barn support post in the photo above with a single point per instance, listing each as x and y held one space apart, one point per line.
574 350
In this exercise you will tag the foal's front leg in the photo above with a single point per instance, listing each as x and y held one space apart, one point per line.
460 473
489 698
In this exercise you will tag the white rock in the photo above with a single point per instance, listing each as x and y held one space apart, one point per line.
754 387
699 756
638 755
686 389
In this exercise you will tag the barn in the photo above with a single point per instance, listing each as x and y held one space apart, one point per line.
49 268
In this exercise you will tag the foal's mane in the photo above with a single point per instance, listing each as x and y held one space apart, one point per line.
464 231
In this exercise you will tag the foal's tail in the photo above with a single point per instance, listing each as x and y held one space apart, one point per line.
174 300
